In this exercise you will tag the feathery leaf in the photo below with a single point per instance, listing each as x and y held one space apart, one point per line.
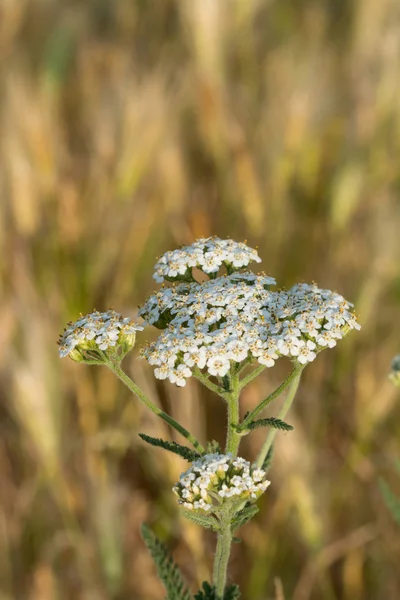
208 522
168 571
270 422
209 593
213 447
243 516
183 451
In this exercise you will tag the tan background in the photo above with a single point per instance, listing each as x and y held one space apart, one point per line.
128 128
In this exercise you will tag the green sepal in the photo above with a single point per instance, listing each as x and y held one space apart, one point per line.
206 521
209 592
391 500
183 451
168 571
243 516
270 422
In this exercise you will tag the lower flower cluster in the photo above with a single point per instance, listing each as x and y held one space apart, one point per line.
216 478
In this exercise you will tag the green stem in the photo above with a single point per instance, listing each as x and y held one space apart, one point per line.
233 436
116 368
222 556
209 384
291 377
249 378
294 384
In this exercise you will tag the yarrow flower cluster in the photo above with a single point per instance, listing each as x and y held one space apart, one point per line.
208 255
104 331
236 318
215 478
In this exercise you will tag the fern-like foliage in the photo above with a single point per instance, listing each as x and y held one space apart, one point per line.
391 500
268 460
183 451
270 422
168 571
213 447
206 521
232 592
243 516
209 593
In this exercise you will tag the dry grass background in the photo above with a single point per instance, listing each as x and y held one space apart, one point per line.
132 126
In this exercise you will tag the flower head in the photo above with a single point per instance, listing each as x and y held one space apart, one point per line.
218 478
98 334
208 255
237 319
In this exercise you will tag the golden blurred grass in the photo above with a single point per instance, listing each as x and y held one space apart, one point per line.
128 128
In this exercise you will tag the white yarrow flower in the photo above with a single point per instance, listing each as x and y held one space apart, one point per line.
237 317
216 478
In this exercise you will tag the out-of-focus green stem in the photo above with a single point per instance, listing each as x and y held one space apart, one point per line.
116 368
291 377
249 378
294 384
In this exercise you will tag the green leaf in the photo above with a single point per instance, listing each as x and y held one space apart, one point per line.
270 422
243 516
167 570
213 447
208 522
209 593
391 500
183 451
268 460
232 592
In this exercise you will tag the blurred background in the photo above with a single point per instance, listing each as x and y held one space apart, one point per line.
127 128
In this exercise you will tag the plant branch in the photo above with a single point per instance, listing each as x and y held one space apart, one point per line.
209 384
291 377
135 389
249 378
294 384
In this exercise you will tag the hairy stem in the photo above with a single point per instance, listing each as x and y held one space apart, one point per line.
222 556
291 377
249 378
233 436
209 384
294 384
224 541
116 369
